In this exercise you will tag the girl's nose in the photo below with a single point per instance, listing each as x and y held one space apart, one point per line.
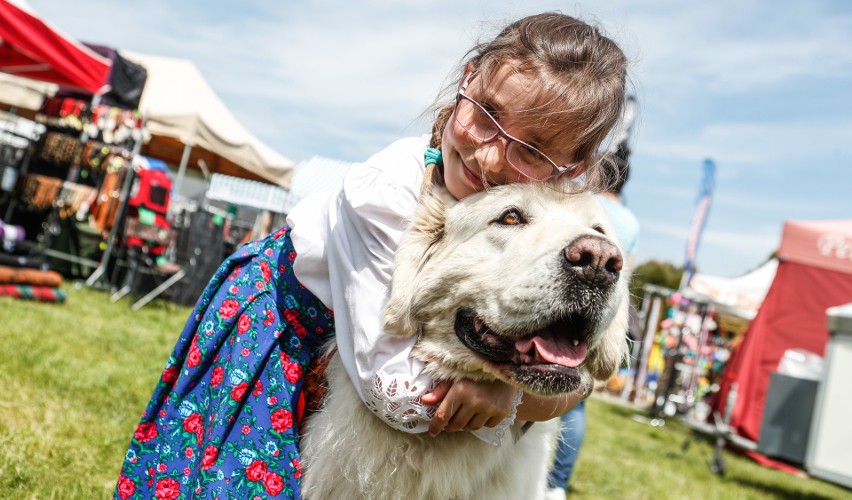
491 157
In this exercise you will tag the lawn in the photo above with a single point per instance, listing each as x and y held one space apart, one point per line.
79 374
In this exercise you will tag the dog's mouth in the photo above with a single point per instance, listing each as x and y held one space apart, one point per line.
546 360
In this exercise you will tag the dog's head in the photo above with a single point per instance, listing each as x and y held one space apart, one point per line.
523 282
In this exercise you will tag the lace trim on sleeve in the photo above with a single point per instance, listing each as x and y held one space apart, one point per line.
397 402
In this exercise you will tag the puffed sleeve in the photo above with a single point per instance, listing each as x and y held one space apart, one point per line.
349 268
346 260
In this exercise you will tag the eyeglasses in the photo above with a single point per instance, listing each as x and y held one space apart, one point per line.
525 158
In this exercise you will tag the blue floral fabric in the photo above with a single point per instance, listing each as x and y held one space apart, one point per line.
223 420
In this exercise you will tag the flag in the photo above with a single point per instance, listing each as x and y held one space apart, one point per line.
699 219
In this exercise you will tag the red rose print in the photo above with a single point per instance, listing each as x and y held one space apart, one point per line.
268 253
238 391
293 372
170 375
281 232
211 453
300 330
126 487
186 471
234 289
188 452
285 358
291 315
193 423
194 356
273 483
282 420
291 256
297 464
161 467
246 430
270 318
272 401
258 388
167 489
256 471
244 324
145 432
282 269
258 285
217 376
245 352
265 271
229 308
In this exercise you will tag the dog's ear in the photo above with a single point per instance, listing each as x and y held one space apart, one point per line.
415 250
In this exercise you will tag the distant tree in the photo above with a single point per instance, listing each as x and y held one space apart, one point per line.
656 273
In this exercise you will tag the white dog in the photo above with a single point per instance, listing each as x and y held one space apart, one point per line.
522 283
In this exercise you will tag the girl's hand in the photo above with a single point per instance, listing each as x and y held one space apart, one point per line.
468 405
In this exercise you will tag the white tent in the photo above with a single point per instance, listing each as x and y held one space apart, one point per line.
741 295
188 122
185 116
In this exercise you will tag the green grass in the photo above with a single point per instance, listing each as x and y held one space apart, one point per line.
76 377
75 381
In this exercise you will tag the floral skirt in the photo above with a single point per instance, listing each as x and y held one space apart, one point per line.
224 418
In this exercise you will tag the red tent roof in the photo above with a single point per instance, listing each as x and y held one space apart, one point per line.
815 273
30 48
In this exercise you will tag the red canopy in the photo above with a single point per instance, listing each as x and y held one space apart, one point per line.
30 48
815 273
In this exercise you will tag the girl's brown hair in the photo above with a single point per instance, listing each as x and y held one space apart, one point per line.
582 76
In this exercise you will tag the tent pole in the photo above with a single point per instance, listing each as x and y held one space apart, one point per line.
118 220
182 168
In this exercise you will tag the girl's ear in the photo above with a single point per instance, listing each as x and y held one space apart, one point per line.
415 251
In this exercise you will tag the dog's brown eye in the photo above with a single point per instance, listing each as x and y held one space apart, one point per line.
511 217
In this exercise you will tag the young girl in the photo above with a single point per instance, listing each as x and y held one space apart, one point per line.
534 103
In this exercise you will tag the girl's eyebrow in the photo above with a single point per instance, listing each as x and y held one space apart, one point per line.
489 100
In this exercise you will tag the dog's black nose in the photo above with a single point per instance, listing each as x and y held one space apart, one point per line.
594 259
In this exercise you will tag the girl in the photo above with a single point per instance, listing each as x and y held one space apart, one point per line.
533 103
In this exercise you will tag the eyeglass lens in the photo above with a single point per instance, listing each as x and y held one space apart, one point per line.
483 127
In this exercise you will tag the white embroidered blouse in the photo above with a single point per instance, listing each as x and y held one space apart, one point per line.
345 242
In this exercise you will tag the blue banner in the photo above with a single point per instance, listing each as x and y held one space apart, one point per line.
699 220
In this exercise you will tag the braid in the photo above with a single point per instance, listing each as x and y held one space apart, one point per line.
434 174
438 127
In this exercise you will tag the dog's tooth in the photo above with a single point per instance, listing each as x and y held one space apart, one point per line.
477 324
575 342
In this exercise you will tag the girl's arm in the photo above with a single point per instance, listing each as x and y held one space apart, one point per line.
345 253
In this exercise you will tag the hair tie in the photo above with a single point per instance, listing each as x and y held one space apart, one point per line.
433 157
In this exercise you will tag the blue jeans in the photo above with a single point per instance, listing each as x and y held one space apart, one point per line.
570 440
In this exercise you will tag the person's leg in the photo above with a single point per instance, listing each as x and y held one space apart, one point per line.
571 437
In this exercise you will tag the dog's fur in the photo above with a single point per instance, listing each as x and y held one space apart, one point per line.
472 280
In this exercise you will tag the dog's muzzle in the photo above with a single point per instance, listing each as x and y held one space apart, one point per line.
545 361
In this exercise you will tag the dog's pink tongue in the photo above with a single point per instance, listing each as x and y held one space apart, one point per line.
558 353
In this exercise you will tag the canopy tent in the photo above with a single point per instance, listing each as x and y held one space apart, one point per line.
740 296
31 48
814 273
189 122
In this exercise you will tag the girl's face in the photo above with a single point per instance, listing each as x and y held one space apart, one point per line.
471 165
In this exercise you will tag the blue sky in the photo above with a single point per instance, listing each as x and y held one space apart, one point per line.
763 88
